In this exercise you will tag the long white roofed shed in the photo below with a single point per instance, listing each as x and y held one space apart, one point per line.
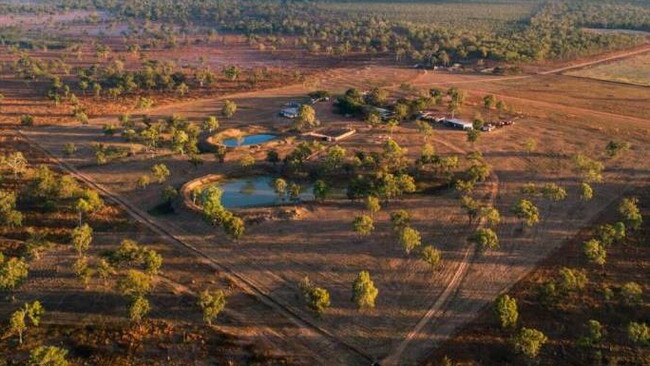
459 123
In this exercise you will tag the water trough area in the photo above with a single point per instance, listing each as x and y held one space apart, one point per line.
248 140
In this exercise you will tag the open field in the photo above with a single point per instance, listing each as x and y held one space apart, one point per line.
634 71
423 312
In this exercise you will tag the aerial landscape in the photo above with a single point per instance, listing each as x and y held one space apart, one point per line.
324 182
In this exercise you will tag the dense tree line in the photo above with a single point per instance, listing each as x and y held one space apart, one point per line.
553 32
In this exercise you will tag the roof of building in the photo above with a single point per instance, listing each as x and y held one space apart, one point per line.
458 122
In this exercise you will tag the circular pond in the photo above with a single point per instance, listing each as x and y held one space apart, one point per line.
255 192
248 140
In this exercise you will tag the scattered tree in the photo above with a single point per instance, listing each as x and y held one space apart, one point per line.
639 333
48 356
506 311
431 256
409 239
485 239
81 237
364 292
526 211
630 211
363 225
595 252
229 109
160 172
18 320
529 342
212 304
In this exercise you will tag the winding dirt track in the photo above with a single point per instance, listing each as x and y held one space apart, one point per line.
438 306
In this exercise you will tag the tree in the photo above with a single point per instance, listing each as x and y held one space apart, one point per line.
530 145
401 110
473 135
464 187
306 118
639 333
594 334
505 308
152 261
18 320
489 101
89 202
220 153
143 181
526 211
491 215
247 161
81 237
431 256
134 284
553 192
12 272
591 170
571 280
48 356
393 155
210 124
478 122
104 270
180 139
400 219
334 158
9 216
485 239
630 211
595 252
372 205
364 292
82 270
471 207
363 225
586 192
632 294
27 120
16 162
373 119
529 342
212 304
231 72
234 227
272 157
613 148
320 190
409 239
425 129
609 234
501 106
182 89
317 298
69 149
280 187
229 109
377 97
139 308
294 192
160 172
